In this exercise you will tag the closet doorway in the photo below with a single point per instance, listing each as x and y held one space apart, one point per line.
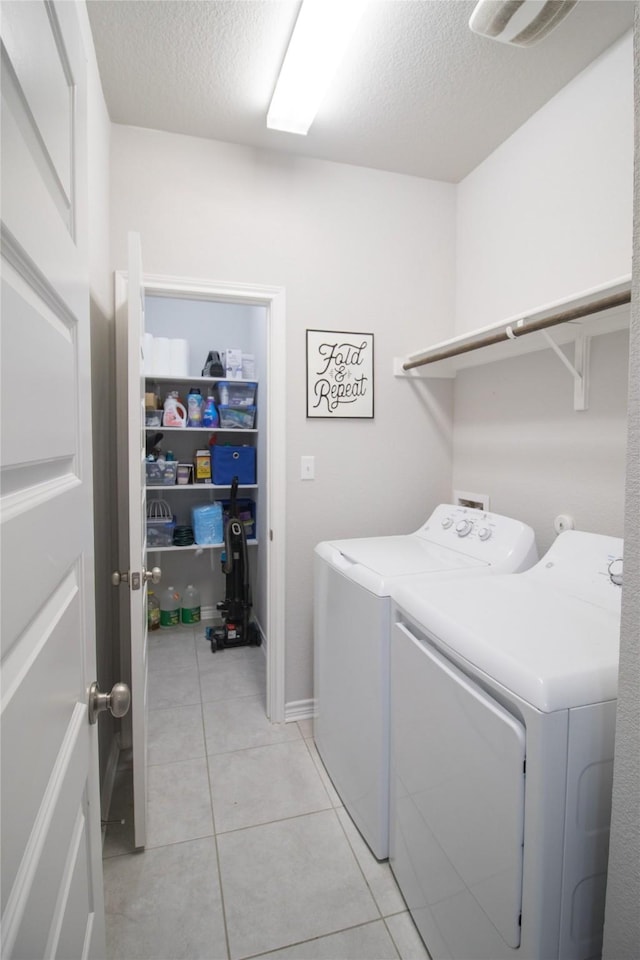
261 311
217 316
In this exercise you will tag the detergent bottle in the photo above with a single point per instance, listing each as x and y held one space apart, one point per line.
175 414
153 611
195 404
210 416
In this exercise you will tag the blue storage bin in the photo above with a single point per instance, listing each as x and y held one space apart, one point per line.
206 521
230 462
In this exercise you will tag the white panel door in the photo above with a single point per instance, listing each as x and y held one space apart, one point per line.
132 508
52 895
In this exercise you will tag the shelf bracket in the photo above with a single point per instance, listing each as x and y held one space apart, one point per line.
579 369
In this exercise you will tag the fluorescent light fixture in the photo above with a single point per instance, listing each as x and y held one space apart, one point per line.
318 42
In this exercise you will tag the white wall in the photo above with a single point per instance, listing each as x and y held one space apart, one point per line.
356 249
546 216
518 438
206 325
549 213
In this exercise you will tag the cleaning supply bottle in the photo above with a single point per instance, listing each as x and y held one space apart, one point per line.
175 414
191 605
195 404
210 416
170 603
153 611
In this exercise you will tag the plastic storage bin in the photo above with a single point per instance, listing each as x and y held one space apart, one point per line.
234 394
230 462
206 521
161 472
160 533
237 418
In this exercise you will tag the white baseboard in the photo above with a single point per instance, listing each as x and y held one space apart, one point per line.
299 710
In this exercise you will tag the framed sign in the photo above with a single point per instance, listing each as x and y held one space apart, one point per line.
339 374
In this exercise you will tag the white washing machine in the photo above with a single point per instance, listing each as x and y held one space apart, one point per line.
503 701
352 626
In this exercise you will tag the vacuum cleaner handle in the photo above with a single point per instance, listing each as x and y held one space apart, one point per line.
233 503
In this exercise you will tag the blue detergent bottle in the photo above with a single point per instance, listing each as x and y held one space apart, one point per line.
210 417
195 403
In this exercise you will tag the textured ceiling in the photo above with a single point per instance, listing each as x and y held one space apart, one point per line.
418 92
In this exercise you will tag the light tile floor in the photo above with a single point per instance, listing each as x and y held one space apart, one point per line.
250 852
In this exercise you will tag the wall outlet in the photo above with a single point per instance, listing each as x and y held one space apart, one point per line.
563 522
465 498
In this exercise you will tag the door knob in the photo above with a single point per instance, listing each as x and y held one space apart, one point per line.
117 577
117 702
153 575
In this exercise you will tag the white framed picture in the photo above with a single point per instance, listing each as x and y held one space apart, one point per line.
339 374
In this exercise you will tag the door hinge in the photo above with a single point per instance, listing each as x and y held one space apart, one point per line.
524 766
135 581
270 534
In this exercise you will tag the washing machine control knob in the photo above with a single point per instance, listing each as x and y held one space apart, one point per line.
484 533
464 527
446 523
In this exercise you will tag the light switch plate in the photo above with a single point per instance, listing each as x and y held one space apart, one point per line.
307 468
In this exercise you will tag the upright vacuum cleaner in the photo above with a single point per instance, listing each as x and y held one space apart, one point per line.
237 629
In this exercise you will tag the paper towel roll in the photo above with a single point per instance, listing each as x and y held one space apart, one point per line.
161 357
179 358
147 352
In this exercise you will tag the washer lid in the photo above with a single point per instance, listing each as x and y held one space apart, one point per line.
552 649
376 562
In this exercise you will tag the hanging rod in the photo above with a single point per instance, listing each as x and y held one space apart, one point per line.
521 327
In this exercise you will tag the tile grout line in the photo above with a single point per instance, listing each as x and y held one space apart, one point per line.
299 943
213 821
330 808
313 760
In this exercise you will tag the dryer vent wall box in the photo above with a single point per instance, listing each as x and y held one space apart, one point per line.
489 859
353 580
477 501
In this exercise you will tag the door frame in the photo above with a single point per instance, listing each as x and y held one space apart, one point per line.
273 299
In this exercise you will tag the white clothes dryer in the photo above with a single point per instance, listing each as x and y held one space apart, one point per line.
503 701
352 626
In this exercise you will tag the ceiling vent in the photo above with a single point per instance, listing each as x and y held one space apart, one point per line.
519 22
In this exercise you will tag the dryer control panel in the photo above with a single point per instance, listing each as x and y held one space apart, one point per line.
486 536
585 565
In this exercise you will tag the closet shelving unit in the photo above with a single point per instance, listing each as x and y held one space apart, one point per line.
167 383
575 320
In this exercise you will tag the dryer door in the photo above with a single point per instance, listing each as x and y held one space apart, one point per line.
458 803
